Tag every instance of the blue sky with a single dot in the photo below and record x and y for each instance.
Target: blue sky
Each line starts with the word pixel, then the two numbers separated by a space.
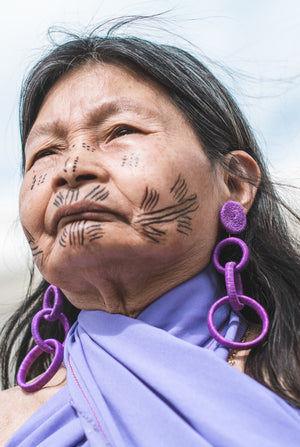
pixel 258 40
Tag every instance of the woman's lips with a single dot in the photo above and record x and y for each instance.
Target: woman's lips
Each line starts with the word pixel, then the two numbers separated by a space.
pixel 83 211
pixel 100 216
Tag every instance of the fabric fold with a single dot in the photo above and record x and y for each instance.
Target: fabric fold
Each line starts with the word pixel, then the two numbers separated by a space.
pixel 160 380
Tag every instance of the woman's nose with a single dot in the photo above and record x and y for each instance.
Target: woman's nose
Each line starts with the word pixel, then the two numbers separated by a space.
pixel 77 170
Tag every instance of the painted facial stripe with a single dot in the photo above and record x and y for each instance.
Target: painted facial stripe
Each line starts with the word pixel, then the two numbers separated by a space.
pixel 180 212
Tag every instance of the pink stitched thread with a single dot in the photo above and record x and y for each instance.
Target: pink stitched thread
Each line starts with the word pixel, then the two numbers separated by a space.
pixel 213 341
pixel 210 344
pixel 88 402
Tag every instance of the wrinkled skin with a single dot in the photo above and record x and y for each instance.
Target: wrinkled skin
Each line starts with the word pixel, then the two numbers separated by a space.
pixel 113 173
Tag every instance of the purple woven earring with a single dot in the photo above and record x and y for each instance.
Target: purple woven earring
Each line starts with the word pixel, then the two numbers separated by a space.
pixel 52 311
pixel 233 219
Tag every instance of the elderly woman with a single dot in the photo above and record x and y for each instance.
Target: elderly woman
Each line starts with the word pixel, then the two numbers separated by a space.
pixel 138 170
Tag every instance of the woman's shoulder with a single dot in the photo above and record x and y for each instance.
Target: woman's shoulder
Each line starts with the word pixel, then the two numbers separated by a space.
pixel 16 405
pixel 15 409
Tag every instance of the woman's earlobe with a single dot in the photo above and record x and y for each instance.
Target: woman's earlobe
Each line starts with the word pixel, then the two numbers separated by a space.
pixel 243 178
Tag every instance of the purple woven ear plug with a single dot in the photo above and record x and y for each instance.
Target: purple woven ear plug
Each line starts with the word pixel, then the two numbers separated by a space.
pixel 52 311
pixel 233 219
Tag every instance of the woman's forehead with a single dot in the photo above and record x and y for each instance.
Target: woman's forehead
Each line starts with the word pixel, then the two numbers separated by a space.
pixel 99 91
pixel 111 76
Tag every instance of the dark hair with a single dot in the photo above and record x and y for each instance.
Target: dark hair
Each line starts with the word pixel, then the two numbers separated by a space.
pixel 272 276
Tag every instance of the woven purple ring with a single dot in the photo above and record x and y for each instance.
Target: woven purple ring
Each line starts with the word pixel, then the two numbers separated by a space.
pixel 49 373
pixel 231 241
pixel 53 300
pixel 234 286
pixel 43 344
pixel 232 344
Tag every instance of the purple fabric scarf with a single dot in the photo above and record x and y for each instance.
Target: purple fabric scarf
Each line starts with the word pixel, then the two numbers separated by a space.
pixel 159 380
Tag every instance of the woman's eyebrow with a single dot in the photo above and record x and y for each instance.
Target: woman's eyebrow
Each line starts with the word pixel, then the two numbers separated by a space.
pixel 94 117
pixel 47 129
pixel 111 108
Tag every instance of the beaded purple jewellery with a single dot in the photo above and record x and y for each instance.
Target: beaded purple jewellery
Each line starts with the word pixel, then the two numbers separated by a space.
pixel 233 219
pixel 52 311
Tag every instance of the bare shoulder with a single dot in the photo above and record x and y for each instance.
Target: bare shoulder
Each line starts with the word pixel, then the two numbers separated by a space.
pixel 16 405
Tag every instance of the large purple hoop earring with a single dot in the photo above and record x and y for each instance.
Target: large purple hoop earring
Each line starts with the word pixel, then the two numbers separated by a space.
pixel 233 219
pixel 52 311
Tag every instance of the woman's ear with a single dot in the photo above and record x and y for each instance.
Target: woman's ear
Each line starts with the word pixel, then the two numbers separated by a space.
pixel 243 178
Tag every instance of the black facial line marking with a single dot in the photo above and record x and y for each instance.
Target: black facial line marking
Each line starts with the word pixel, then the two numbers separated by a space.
pixel 66 198
pixel 179 189
pixel 170 213
pixel 66 163
pixel 75 164
pixel 153 233
pixel 131 160
pixel 95 231
pixel 150 199
pixel 88 147
pixel 78 233
pixel 29 236
pixel 179 212
pixel 63 238
pixel 33 182
pixel 74 234
pixel 37 253
pixel 38 181
pixel 98 194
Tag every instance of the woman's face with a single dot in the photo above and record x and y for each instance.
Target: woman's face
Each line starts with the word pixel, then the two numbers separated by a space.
pixel 117 186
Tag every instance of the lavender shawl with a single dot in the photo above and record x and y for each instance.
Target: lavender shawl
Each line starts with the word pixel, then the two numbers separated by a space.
pixel 159 380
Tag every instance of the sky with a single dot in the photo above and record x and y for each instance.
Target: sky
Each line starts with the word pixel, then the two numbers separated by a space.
pixel 253 47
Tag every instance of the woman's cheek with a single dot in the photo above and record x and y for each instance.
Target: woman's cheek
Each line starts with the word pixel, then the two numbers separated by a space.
pixel 33 185
pixel 37 180
pixel 32 207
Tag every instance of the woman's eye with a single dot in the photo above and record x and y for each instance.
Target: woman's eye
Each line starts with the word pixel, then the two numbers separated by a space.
pixel 43 153
pixel 121 131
